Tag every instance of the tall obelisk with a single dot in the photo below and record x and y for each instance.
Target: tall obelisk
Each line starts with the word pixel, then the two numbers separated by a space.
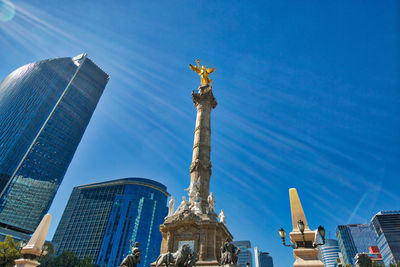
pixel 306 255
pixel 195 222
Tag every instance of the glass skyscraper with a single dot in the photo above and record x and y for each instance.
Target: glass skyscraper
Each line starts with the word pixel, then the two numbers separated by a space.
pixel 245 255
pixel 353 239
pixel 262 259
pixel 45 107
pixel 100 219
pixel 329 252
pixel 387 227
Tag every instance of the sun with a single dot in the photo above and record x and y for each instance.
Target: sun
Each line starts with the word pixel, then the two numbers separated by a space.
pixel 7 10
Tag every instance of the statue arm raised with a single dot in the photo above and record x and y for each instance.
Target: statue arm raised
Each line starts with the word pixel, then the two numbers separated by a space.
pixel 194 68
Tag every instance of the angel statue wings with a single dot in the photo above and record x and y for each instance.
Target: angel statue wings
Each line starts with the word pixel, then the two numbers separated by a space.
pixel 203 72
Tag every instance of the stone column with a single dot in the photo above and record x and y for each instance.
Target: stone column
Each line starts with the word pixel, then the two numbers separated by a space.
pixel 305 255
pixel 204 101
pixel 203 245
pixel 34 247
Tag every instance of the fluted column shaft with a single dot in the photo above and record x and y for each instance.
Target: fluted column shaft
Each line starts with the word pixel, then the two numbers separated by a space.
pixel 200 168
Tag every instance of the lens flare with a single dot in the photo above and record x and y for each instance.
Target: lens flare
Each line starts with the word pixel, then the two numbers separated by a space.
pixel 7 10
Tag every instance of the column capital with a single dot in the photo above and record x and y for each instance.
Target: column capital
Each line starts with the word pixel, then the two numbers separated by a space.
pixel 204 95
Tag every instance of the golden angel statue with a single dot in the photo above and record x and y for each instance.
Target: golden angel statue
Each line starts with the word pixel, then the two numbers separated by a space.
pixel 203 72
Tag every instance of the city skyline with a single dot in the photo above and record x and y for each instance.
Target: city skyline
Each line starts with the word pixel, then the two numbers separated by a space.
pixel 306 92
pixel 100 215
pixel 45 107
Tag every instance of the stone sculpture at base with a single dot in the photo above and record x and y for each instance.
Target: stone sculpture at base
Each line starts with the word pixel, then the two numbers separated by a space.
pixel 229 253
pixel 171 205
pixel 222 218
pixel 184 257
pixel 133 259
pixel 211 203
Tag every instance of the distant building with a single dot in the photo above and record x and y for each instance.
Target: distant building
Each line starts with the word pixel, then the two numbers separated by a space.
pixel 374 255
pixel 353 239
pixel 340 261
pixel 45 107
pixel 245 253
pixel 262 259
pixel 329 252
pixel 387 227
pixel 100 219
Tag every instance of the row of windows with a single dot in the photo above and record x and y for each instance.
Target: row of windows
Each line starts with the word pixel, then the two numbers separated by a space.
pixel 32 96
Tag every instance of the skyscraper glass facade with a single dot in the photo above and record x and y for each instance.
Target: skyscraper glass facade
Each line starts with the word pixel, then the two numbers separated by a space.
pixel 387 227
pixel 262 259
pixel 353 239
pixel 329 252
pixel 44 110
pixel 100 220
pixel 245 255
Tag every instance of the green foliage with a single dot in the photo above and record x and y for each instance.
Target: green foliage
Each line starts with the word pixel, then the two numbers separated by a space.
pixel 66 259
pixel 364 261
pixel 394 265
pixel 9 252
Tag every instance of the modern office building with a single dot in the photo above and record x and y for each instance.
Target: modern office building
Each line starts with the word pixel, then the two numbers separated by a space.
pixel 329 252
pixel 353 239
pixel 100 219
pixel 387 227
pixel 245 255
pixel 262 259
pixel 45 107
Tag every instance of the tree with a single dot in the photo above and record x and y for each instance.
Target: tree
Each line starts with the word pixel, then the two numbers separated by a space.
pixel 66 259
pixel 49 254
pixel 9 252
pixel 364 261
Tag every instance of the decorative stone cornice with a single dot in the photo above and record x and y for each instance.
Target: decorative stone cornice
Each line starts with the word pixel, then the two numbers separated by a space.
pixel 204 95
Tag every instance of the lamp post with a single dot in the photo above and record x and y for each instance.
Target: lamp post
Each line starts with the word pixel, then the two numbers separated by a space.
pixel 301 227
pixel 302 238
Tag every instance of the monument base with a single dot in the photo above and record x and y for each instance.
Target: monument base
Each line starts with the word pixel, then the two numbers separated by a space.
pixel 230 265
pixel 305 256
pixel 202 232
pixel 26 263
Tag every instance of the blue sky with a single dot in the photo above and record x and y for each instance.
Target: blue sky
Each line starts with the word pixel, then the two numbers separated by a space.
pixel 308 95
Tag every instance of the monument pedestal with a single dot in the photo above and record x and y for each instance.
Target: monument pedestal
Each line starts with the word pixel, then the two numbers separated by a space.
pixel 306 256
pixel 203 233
pixel 26 263
pixel 230 265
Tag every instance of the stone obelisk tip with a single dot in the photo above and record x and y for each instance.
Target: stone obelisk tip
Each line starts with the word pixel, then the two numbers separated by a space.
pixel 297 209
pixel 36 242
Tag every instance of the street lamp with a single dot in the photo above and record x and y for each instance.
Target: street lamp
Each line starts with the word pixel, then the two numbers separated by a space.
pixel 321 232
pixel 22 244
pixel 44 251
pixel 301 226
pixel 282 234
